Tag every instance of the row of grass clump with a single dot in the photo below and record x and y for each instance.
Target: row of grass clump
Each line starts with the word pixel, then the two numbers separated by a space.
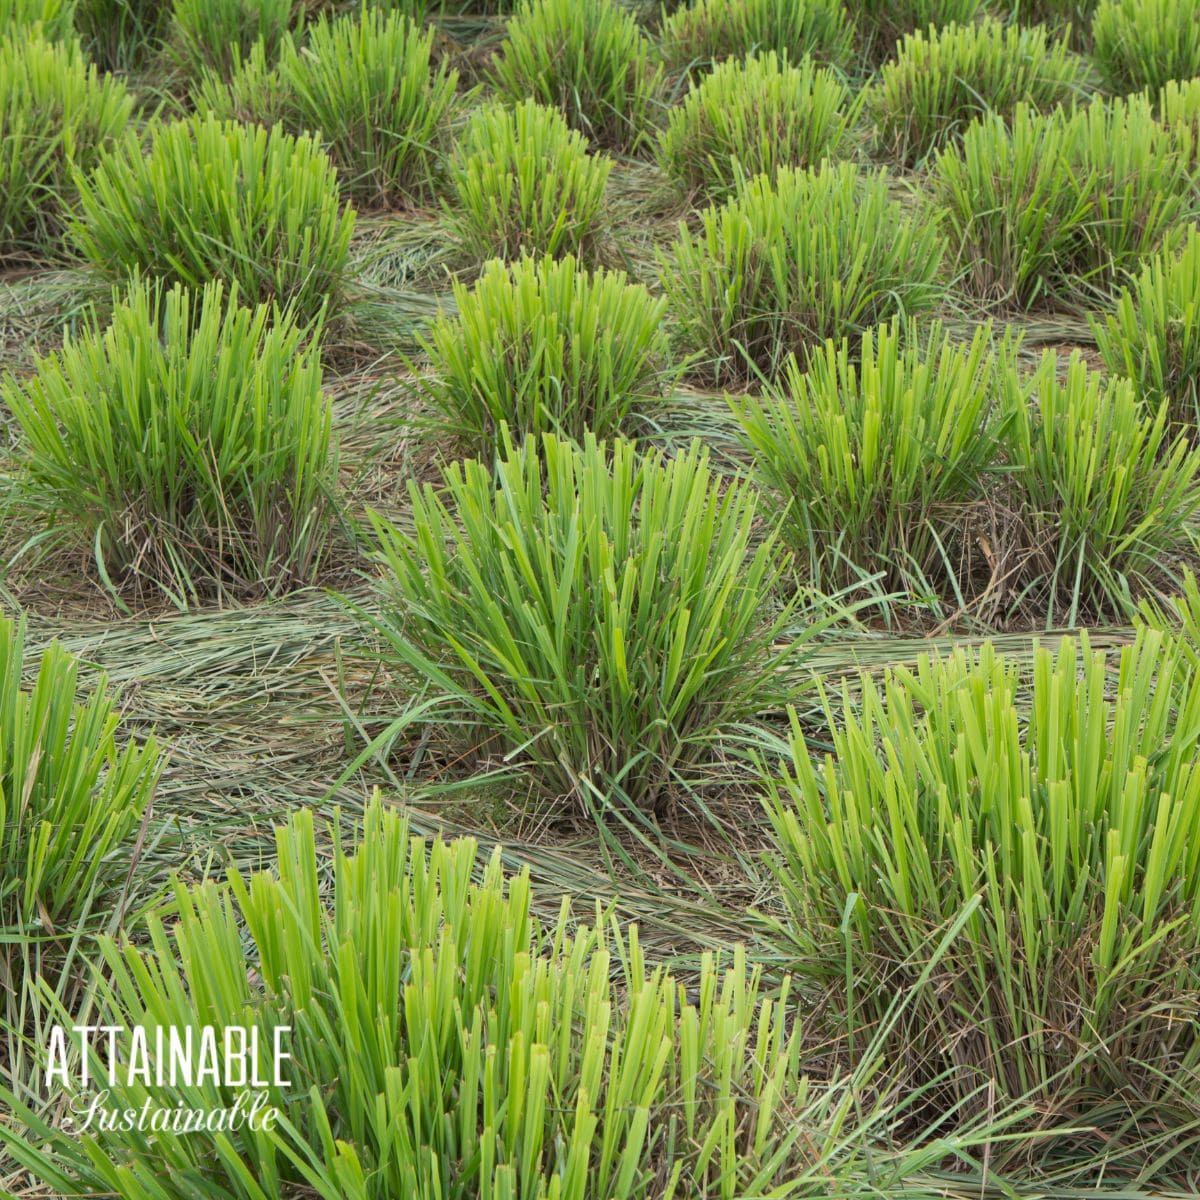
pixel 990 109
pixel 1012 855
pixel 366 82
pixel 987 893
pixel 768 290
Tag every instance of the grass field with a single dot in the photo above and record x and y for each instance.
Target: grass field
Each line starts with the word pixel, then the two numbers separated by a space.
pixel 626 574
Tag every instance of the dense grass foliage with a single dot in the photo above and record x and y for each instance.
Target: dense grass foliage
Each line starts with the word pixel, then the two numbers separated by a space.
pixel 1105 493
pixel 188 444
pixel 880 24
pixel 57 113
pixel 52 18
pixel 365 86
pixel 941 80
pixel 544 346
pixel 121 35
pixel 523 182
pixel 217 200
pixel 72 799
pixel 1145 43
pixel 464 1043
pixel 1062 814
pixel 1063 201
pixel 216 35
pixel 1178 615
pixel 880 452
pixel 1153 334
pixel 1179 105
pixel 786 264
pixel 1056 14
pixel 587 58
pixel 600 616
pixel 711 31
pixel 754 117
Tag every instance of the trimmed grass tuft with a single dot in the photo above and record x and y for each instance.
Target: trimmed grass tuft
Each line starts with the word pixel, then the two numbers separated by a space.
pixel 57 114
pixel 187 446
pixel 1141 44
pixel 755 117
pixel 364 85
pixel 601 618
pixel 212 200
pixel 524 183
pixel 788 263
pixel 881 453
pixel 939 81
pixel 711 31
pixel 587 58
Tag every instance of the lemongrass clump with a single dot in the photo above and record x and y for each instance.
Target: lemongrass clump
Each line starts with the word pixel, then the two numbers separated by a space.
pixel 754 117
pixel 218 200
pixel 1146 43
pixel 1051 203
pixel 880 453
pixel 603 616
pixel 788 263
pixel 188 446
pixel 940 80
pixel 712 31
pixel 1153 334
pixel 524 183
pixel 81 791
pixel 121 35
pixel 1105 491
pixel 57 114
pixel 216 35
pixel 1042 832
pixel 587 58
pixel 438 1030
pixel 544 346
pixel 880 24
pixel 53 19
pixel 366 87
pixel 73 797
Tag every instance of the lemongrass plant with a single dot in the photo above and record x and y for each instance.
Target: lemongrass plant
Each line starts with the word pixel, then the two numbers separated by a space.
pixel 1140 44
pixel 122 35
pixel 1105 492
pixel 604 619
pixel 524 183
pixel 711 31
pixel 587 58
pixel 754 117
pixel 1177 615
pixel 786 264
pixel 217 200
pixel 1062 812
pixel 881 454
pixel 364 85
pixel 1153 334
pixel 1179 110
pixel 53 19
pixel 880 24
pixel 1058 15
pixel 187 446
pixel 73 796
pixel 57 114
pixel 442 1041
pixel 939 80
pixel 1047 205
pixel 216 35
pixel 544 346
